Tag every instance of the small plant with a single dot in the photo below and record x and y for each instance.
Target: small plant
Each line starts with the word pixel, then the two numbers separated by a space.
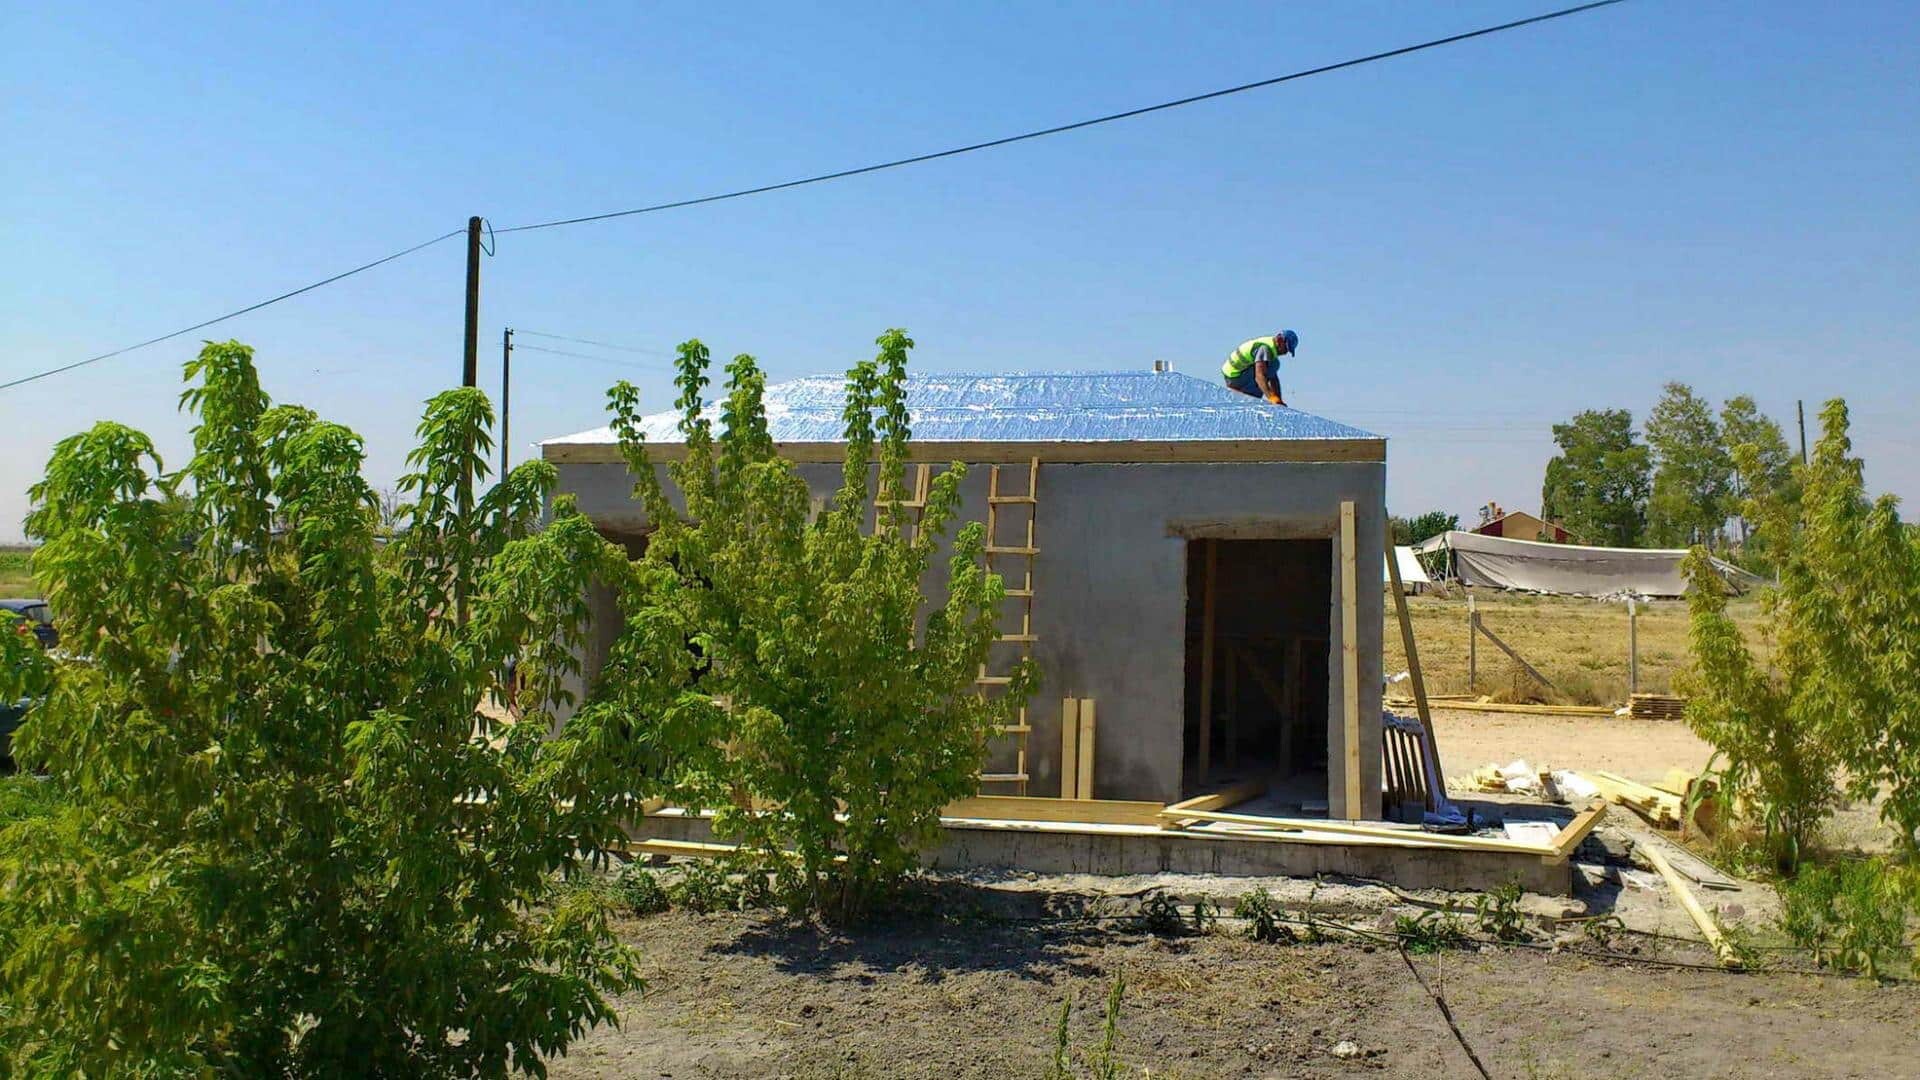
pixel 704 888
pixel 1101 1060
pixel 1498 914
pixel 1851 916
pixel 1160 915
pixel 1430 932
pixel 1205 914
pixel 1262 916
pixel 639 891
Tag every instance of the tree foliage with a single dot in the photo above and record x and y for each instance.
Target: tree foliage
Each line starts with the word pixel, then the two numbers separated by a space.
pixel 286 844
pixel 1597 485
pixel 1425 526
pixel 1763 469
pixel 1692 474
pixel 1843 696
pixel 794 679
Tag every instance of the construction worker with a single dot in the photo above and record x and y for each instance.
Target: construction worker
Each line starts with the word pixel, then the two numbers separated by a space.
pixel 1254 367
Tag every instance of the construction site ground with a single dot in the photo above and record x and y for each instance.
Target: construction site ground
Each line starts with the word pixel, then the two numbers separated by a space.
pixel 974 987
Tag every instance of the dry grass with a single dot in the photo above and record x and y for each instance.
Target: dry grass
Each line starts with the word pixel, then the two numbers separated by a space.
pixel 1579 644
pixel 15 580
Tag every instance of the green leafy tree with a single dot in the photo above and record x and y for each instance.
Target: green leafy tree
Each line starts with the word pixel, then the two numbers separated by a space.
pixel 1692 471
pixel 1597 485
pixel 287 844
pixel 1763 468
pixel 1427 525
pixel 1843 695
pixel 799 684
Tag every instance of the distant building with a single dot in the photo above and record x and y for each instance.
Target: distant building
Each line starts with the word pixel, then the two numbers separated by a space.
pixel 1520 525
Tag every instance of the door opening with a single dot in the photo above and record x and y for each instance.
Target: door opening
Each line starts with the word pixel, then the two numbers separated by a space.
pixel 1257 639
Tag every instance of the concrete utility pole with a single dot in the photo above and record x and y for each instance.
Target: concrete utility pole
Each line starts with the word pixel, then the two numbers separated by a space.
pixel 470 371
pixel 506 391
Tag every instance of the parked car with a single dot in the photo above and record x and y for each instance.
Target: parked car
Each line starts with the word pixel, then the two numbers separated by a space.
pixel 37 619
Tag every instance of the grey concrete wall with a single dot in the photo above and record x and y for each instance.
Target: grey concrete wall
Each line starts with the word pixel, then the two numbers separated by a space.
pixel 1110 604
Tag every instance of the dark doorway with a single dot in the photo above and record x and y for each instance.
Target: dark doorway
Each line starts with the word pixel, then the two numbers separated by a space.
pixel 1267 660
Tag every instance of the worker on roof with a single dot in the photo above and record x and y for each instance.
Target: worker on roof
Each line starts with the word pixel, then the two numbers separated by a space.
pixel 1254 367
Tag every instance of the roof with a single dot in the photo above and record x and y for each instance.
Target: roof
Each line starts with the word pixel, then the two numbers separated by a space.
pixel 1162 413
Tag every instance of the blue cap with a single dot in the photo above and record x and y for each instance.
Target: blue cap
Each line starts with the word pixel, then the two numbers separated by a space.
pixel 1292 339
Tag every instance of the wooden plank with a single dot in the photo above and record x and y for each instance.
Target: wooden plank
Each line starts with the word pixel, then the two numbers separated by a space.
pixel 1708 928
pixel 1355 801
pixel 1233 795
pixel 1040 808
pixel 1084 785
pixel 1069 748
pixel 1470 705
pixel 1514 656
pixel 1577 829
pixel 982 453
pixel 1378 832
pixel 1436 790
pixel 1207 593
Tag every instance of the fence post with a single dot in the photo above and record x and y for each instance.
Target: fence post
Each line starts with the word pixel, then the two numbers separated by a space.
pixel 1633 650
pixel 1473 646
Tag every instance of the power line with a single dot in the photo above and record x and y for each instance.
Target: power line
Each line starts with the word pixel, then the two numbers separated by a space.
pixel 517 346
pixel 231 314
pixel 1075 126
pixel 588 341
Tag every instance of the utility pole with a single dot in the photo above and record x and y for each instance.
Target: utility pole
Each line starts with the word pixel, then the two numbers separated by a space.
pixel 506 391
pixel 1800 407
pixel 470 372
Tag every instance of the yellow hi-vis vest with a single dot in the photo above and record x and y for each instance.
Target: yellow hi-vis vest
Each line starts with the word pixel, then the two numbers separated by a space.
pixel 1240 359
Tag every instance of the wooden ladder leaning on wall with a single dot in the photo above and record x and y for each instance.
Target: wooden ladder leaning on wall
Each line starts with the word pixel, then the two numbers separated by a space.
pixel 1015 566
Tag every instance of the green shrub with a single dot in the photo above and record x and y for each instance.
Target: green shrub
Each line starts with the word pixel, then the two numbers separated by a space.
pixel 639 890
pixel 1430 932
pixel 1263 917
pixel 786 658
pixel 1850 915
pixel 1160 915
pixel 1498 914
pixel 286 844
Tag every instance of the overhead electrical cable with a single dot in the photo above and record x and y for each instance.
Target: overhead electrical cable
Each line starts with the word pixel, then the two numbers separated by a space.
pixel 23 380
pixel 844 173
pixel 589 341
pixel 1062 128
pixel 615 361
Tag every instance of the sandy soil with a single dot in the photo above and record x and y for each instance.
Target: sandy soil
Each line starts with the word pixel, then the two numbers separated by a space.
pixel 1640 750
pixel 748 996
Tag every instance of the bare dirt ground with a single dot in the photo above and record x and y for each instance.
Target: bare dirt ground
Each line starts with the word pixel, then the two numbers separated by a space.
pixel 735 995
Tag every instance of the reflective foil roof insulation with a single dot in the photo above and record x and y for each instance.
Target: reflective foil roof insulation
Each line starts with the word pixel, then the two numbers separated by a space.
pixel 1130 406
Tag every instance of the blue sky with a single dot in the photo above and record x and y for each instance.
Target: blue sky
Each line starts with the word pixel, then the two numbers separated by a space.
pixel 1473 242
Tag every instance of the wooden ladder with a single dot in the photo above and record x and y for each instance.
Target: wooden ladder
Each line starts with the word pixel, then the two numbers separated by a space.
pixel 915 504
pixel 1018 645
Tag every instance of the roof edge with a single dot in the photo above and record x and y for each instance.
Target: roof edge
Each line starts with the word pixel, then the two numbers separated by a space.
pixel 1114 451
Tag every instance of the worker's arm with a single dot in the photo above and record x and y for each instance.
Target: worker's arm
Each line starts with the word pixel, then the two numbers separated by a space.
pixel 1265 373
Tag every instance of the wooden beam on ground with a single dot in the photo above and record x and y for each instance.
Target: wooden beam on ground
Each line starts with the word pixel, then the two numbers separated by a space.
pixel 1038 808
pixel 694 849
pixel 1583 823
pixel 1708 928
pixel 1205 757
pixel 1219 800
pixel 1470 705
pixel 1377 832
pixel 1354 800
pixel 1084 785
pixel 1514 656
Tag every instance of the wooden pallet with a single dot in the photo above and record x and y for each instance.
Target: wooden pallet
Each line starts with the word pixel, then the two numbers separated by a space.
pixel 1657 707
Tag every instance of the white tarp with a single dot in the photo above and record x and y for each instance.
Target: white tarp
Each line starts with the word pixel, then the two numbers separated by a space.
pixel 1411 572
pixel 1570 569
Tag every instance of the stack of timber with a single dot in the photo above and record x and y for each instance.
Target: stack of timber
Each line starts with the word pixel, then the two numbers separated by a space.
pixel 1656 707
pixel 1662 808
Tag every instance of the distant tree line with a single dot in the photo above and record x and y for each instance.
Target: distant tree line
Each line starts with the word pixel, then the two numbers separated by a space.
pixel 1684 484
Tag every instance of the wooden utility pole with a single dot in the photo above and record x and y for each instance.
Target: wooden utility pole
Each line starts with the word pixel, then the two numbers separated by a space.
pixel 1800 407
pixel 506 395
pixel 470 371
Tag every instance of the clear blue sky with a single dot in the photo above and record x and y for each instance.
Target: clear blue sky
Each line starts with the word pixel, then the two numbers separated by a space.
pixel 1472 242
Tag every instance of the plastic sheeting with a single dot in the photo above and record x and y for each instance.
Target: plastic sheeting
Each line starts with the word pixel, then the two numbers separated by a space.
pixel 1130 406
pixel 1569 569
pixel 1411 572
